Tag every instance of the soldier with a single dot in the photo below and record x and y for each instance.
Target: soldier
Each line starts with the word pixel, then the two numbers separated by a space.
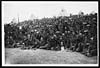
pixel 58 45
pixel 36 43
pixel 65 43
pixel 71 46
pixel 43 43
pixel 68 43
pixel 85 48
pixel 52 42
pixel 80 47
pixel 93 52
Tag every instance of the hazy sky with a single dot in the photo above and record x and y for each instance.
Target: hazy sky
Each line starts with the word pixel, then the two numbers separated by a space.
pixel 42 9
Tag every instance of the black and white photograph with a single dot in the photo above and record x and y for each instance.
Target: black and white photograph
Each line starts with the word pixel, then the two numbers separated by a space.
pixel 50 33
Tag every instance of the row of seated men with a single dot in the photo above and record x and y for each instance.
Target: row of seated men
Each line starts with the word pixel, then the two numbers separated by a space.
pixel 56 41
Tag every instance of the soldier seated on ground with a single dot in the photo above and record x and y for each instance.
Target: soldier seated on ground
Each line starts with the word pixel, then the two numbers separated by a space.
pixel 68 44
pixel 85 51
pixel 51 43
pixel 85 48
pixel 42 42
pixel 71 46
pixel 93 52
pixel 35 44
pixel 16 44
pixel 80 48
pixel 23 47
pixel 75 47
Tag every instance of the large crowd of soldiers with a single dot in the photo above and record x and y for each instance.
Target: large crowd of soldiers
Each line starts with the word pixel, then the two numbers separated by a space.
pixel 76 32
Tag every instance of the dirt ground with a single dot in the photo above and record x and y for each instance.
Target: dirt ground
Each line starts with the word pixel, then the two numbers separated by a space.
pixel 40 56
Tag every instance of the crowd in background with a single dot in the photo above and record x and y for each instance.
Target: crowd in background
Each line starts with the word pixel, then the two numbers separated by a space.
pixel 75 32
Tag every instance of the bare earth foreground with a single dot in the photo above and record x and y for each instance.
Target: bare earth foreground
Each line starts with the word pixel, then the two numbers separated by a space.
pixel 40 56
